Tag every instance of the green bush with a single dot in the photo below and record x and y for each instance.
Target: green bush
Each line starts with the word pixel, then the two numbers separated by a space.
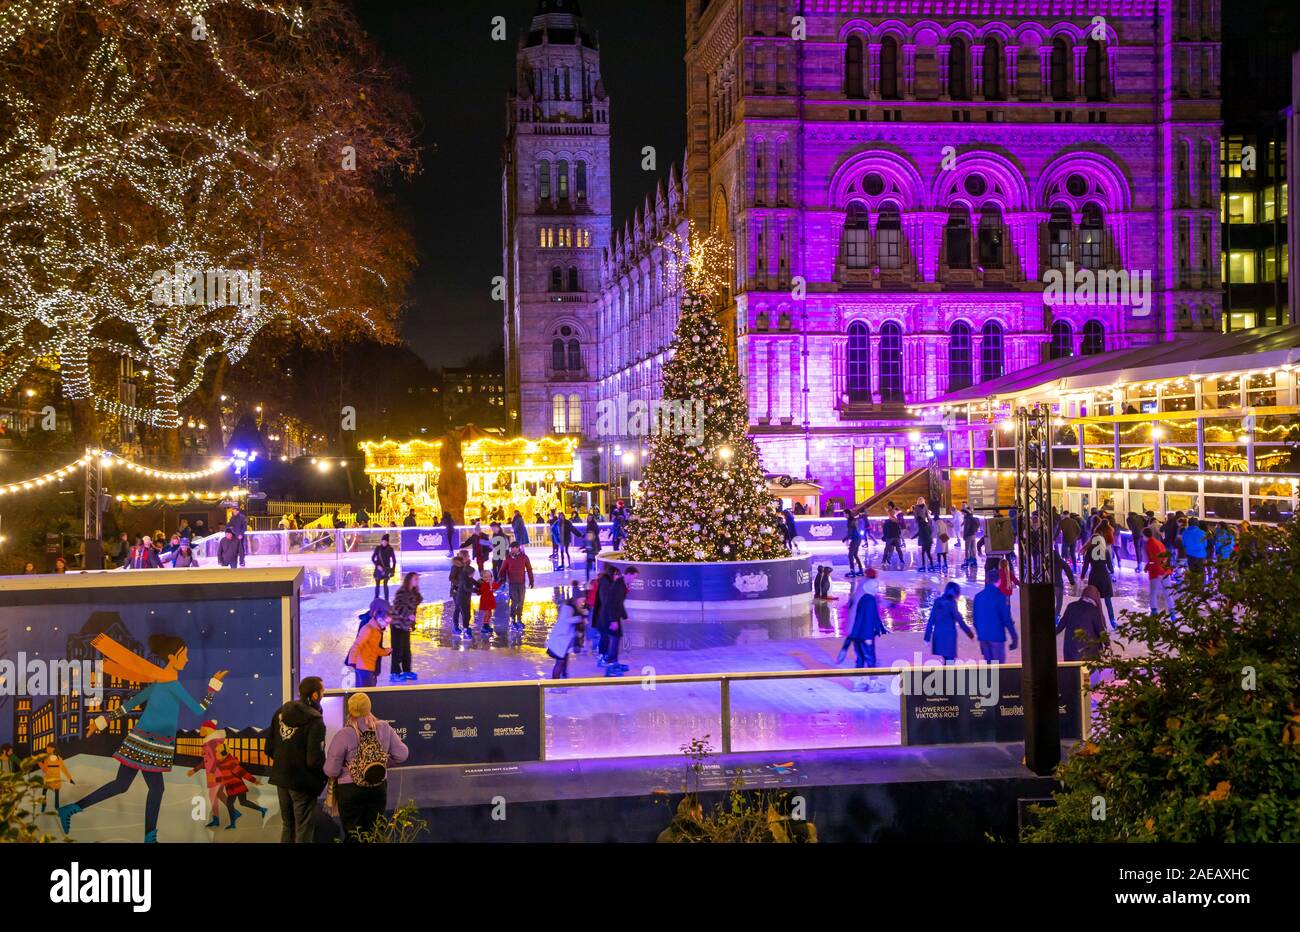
pixel 20 796
pixel 1197 739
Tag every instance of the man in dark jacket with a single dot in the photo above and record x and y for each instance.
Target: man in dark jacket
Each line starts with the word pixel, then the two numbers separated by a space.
pixel 239 527
pixel 384 559
pixel 295 743
pixel 611 596
pixel 892 534
pixel 1070 530
pixel 410 520
pixel 449 523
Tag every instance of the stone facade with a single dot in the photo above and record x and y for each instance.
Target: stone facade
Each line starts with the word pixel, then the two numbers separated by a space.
pixel 556 211
pixel 899 178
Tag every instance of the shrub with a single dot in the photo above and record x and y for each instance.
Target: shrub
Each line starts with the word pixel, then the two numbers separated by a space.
pixel 1197 739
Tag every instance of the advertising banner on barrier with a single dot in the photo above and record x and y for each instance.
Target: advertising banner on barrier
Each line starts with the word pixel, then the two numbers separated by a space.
pixel 474 725
pixel 822 530
pixel 719 582
pixel 949 705
pixel 424 540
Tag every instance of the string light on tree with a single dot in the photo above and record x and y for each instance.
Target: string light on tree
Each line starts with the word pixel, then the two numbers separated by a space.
pixel 706 500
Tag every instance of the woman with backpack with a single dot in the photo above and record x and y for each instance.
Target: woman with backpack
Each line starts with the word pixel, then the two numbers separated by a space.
pixel 357 764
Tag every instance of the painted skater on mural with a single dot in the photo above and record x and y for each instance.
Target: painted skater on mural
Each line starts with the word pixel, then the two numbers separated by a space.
pixel 150 747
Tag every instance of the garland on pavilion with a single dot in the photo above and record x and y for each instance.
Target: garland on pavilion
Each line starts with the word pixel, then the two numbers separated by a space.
pixel 704 501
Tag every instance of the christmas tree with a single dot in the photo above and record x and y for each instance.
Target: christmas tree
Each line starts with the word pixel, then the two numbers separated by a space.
pixel 703 496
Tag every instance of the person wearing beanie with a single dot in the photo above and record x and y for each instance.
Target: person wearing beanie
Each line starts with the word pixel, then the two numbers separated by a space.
pixel 207 731
pixel 357 762
pixel 295 743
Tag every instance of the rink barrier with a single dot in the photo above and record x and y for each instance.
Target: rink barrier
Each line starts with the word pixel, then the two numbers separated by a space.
pixel 493 707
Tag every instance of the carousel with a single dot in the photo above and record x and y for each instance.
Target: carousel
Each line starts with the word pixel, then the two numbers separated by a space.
pixel 502 476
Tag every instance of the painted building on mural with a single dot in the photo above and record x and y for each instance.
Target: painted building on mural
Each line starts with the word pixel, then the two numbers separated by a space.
pixel 899 178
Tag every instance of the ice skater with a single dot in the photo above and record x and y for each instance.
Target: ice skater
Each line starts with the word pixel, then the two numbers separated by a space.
pixel 866 627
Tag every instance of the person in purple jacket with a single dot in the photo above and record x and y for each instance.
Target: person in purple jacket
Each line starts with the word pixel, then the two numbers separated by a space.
pixel 358 760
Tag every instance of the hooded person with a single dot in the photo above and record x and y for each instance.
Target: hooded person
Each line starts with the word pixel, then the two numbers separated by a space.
pixel 1084 627
pixel 945 618
pixel 866 627
pixel 295 743
pixel 993 622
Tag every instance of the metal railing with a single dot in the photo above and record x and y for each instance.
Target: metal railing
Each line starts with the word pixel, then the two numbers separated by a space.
pixel 725 681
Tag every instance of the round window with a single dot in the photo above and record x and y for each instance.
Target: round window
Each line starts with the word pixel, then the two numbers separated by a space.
pixel 1077 185
pixel 873 185
pixel 976 185
pixel 566 331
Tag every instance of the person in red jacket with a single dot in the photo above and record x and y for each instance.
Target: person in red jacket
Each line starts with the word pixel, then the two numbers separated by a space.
pixel 517 570
pixel 1158 570
pixel 487 601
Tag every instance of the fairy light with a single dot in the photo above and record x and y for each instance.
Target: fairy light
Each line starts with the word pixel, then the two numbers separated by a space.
pixel 108 460
pixel 84 291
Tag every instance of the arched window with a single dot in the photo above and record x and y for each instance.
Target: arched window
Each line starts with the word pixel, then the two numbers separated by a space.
pixel 562 179
pixel 1058 236
pixel 891 362
pixel 991 354
pixel 557 354
pixel 959 359
pixel 1062 346
pixel 857 236
pixel 1060 64
pixel 991 237
pixel 1091 229
pixel 559 421
pixel 1094 339
pixel 993 70
pixel 575 356
pixel 544 180
pixel 889 237
pixel 956 238
pixel 858 362
pixel 889 68
pixel 580 175
pixel 575 414
pixel 557 278
pixel 1093 86
pixel 853 67
pixel 958 68
pixel 574 284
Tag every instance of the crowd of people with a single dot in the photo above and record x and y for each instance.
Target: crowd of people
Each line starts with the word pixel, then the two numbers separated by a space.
pixel 492 566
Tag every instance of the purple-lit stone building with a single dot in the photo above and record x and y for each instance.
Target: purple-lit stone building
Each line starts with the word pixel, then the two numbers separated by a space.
pixel 897 178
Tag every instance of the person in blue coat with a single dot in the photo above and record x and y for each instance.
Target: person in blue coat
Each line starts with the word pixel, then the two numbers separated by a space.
pixel 993 622
pixel 520 529
pixel 941 629
pixel 866 627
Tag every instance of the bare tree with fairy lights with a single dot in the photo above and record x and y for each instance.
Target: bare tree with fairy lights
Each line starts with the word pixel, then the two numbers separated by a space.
pixel 703 497
pixel 180 178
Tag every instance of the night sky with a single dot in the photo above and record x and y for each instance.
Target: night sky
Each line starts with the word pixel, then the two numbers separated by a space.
pixel 460 77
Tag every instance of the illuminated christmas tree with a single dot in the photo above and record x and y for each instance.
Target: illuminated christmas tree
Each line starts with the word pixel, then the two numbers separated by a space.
pixel 703 496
